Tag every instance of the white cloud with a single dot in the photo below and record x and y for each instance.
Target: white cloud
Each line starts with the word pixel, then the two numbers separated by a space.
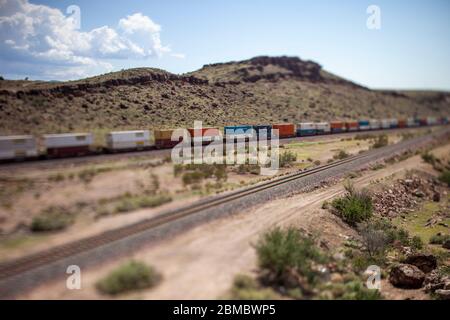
pixel 42 40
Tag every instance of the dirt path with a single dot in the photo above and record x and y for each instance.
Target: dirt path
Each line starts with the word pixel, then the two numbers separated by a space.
pixel 201 263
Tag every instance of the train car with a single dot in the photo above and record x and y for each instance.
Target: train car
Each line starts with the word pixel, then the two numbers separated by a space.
pixel 68 144
pixel 337 126
pixel 385 124
pixel 412 122
pixel 402 123
pixel 393 123
pixel 323 128
pixel 238 132
pixel 204 135
pixel 422 122
pixel 445 120
pixel 375 124
pixel 263 131
pixel 163 139
pixel 285 130
pixel 306 129
pixel 352 126
pixel 431 121
pixel 128 140
pixel 364 125
pixel 18 147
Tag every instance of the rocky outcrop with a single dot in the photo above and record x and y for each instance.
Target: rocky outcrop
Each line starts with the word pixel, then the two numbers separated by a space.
pixel 425 262
pixel 406 276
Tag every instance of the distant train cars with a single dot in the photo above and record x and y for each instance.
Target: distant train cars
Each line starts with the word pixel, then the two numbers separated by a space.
pixel 68 144
pixel 18 147
pixel 128 140
pixel 78 144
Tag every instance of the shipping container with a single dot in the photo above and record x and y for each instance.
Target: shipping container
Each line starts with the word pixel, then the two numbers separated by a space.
pixel 364 125
pixel 412 122
pixel 323 128
pixel 352 126
pixel 285 130
pixel 423 121
pixel 241 132
pixel 306 129
pixel 204 135
pixel 385 124
pixel 163 138
pixel 17 147
pixel 402 123
pixel 337 126
pixel 68 144
pixel 393 123
pixel 375 124
pixel 263 131
pixel 124 140
pixel 431 121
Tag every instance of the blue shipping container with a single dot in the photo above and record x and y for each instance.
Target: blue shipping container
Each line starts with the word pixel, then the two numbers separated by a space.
pixel 307 132
pixel 238 130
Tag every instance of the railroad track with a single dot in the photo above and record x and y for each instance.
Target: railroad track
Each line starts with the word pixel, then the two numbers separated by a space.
pixel 20 266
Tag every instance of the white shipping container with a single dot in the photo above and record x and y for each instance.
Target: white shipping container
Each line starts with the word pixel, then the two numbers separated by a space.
pixel 128 139
pixel 68 140
pixel 385 123
pixel 411 122
pixel 12 147
pixel 431 121
pixel 307 126
pixel 323 127
pixel 393 122
pixel 375 124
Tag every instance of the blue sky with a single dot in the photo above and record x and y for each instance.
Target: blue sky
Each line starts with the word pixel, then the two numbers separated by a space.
pixel 411 50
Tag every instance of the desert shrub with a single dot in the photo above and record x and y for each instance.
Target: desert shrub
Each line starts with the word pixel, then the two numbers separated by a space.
pixel 439 238
pixel 192 178
pixel 132 203
pixel 341 154
pixel 429 158
pixel 355 206
pixel 130 276
pixel 287 158
pixel 352 290
pixel 282 251
pixel 52 219
pixel 416 243
pixel 249 168
pixel 380 141
pixel 445 177
pixel 247 288
pixel 378 166
pixel 317 163
pixel 374 239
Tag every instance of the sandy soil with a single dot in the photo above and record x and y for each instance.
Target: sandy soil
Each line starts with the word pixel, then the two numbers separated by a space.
pixel 201 263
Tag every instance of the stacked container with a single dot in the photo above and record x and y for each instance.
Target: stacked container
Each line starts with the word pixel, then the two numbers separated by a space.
pixel 68 144
pixel 238 132
pixel 375 124
pixel 393 123
pixel 127 140
pixel 352 125
pixel 364 125
pixel 431 121
pixel 285 130
pixel 263 131
pixel 323 128
pixel 402 123
pixel 306 129
pixel 385 124
pixel 337 126
pixel 163 138
pixel 204 135
pixel 17 147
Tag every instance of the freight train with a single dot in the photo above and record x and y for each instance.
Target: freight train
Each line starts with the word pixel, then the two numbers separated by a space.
pixel 79 144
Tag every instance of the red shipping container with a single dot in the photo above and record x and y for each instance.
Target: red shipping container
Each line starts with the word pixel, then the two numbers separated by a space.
pixel 337 125
pixel 285 130
pixel 402 123
pixel 352 125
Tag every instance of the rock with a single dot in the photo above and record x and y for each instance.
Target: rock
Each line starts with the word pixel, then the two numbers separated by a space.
pixel 425 262
pixel 406 276
pixel 419 194
pixel 436 197
pixel 446 244
pixel 443 294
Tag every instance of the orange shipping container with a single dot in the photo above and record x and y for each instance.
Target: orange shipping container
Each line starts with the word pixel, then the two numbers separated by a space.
pixel 352 124
pixel 401 123
pixel 285 130
pixel 337 125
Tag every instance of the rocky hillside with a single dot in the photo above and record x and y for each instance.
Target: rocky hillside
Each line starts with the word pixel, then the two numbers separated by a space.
pixel 259 90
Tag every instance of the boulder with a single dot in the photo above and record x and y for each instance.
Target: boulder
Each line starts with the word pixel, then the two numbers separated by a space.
pixel 425 262
pixel 406 276
pixel 446 244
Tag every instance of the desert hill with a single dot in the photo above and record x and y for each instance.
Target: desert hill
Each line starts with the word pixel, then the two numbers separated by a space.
pixel 258 90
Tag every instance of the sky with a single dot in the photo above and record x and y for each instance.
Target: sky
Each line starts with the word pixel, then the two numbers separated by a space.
pixel 405 45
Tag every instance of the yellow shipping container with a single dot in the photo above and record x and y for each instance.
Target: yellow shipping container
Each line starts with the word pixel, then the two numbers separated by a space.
pixel 163 134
